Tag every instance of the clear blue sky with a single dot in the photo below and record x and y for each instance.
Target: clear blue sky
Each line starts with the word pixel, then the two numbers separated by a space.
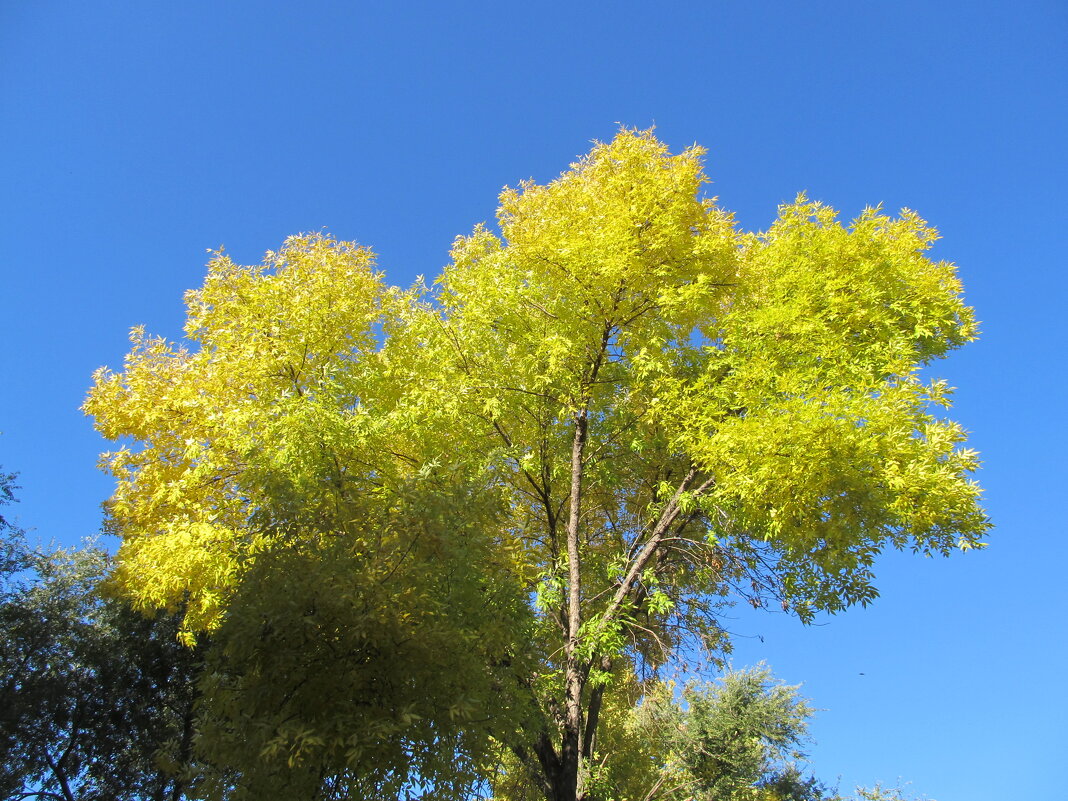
pixel 138 135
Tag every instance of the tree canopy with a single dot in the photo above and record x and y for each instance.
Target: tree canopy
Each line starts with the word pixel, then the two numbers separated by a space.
pixel 495 504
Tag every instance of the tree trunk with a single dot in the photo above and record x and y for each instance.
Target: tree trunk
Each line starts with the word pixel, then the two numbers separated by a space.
pixel 567 786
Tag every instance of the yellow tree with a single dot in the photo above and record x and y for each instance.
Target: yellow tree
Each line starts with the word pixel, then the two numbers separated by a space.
pixel 598 425
pixel 279 491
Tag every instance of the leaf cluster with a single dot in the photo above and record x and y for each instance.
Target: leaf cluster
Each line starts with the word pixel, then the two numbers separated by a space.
pixel 282 494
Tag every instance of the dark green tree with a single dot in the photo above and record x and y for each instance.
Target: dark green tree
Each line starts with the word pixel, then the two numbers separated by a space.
pixel 96 701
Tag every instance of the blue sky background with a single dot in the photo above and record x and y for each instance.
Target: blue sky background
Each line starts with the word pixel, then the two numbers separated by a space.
pixel 136 136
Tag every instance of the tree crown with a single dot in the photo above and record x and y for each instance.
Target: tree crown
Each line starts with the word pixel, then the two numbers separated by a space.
pixel 554 464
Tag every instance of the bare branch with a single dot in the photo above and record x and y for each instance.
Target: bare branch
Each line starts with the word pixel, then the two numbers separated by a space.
pixel 667 517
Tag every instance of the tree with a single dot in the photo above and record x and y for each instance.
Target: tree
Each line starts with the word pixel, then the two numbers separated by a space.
pixel 96 701
pixel 739 740
pixel 594 429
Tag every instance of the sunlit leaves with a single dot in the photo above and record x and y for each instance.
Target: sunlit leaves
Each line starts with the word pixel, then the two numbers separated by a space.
pixel 281 489
pixel 334 468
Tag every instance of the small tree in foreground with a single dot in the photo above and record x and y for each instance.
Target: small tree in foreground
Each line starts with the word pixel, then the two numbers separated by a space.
pixel 742 738
pixel 738 740
pixel 426 526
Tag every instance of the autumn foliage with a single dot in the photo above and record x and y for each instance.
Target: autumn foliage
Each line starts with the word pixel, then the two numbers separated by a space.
pixel 444 533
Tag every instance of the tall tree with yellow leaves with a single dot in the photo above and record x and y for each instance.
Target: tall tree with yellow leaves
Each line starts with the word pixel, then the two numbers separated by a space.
pixel 482 508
